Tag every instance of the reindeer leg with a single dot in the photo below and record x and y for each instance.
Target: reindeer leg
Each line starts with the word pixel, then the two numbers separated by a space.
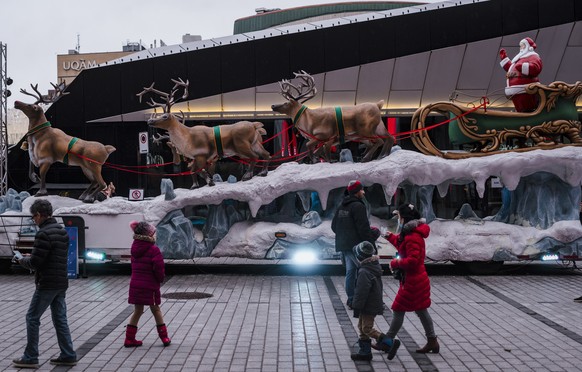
pixel 208 172
pixel 97 183
pixel 43 169
pixel 371 148
pixel 212 171
pixel 327 150
pixel 199 163
pixel 92 191
pixel 387 148
pixel 208 177
pixel 194 170
pixel 91 185
pixel 84 193
pixel 265 169
pixel 31 175
pixel 263 155
pixel 313 152
pixel 249 173
pixel 195 184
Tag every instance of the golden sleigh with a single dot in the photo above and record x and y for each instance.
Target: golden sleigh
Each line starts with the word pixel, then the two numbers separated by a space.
pixel 555 123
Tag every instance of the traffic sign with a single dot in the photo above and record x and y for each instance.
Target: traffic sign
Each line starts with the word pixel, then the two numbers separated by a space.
pixel 143 143
pixel 135 194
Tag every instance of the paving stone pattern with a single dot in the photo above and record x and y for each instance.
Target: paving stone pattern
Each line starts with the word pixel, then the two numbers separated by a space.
pixel 295 323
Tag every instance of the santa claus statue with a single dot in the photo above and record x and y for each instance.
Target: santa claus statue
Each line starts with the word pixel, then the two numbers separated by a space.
pixel 522 70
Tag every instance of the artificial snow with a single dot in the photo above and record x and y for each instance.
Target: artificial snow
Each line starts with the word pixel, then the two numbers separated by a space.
pixel 462 240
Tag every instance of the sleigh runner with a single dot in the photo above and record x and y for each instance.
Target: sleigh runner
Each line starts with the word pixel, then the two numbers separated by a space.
pixel 489 130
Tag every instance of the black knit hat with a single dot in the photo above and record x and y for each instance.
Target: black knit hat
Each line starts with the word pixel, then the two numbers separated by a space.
pixel 364 250
pixel 408 212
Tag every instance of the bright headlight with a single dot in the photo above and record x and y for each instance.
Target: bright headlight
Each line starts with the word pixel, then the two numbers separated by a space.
pixel 94 255
pixel 550 257
pixel 304 257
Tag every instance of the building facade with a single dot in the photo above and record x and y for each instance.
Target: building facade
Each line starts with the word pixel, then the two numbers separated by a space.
pixel 70 65
pixel 407 57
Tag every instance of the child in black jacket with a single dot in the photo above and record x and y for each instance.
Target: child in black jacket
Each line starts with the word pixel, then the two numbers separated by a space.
pixel 367 303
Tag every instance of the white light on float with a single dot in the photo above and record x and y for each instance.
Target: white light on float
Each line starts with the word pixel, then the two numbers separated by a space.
pixel 550 257
pixel 304 257
pixel 94 255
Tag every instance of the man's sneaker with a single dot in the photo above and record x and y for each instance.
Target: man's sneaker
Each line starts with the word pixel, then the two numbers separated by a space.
pixel 64 362
pixel 579 299
pixel 21 363
pixel 349 304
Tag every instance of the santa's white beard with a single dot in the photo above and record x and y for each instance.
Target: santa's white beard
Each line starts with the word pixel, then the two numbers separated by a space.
pixel 523 54
pixel 519 55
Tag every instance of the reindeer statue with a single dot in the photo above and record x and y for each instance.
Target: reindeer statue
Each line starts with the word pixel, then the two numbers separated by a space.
pixel 47 145
pixel 204 144
pixel 328 126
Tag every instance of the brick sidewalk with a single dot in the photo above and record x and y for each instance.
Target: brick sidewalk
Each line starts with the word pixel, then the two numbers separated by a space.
pixel 295 323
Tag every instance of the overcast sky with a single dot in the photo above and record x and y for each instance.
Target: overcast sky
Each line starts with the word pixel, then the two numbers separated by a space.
pixel 36 31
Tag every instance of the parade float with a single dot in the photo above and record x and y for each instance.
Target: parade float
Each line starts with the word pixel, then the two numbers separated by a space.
pixel 490 131
pixel 289 210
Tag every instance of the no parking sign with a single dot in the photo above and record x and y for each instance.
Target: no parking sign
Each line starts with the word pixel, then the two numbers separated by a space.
pixel 135 194
pixel 143 143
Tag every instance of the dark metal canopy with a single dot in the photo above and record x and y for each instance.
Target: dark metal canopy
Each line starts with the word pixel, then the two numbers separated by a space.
pixel 407 57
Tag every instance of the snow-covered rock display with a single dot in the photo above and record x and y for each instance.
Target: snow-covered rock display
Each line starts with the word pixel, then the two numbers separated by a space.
pixel 542 214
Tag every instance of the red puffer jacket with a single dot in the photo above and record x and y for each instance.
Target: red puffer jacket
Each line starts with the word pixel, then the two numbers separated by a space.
pixel 147 273
pixel 414 292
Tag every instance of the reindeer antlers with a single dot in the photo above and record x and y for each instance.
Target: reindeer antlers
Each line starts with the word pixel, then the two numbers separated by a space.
pixel 168 98
pixel 58 92
pixel 157 140
pixel 305 91
pixel 38 94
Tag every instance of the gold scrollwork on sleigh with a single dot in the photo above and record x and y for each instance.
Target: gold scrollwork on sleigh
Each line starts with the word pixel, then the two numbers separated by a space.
pixel 553 124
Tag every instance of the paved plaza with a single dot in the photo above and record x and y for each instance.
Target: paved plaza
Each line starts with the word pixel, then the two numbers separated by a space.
pixel 300 323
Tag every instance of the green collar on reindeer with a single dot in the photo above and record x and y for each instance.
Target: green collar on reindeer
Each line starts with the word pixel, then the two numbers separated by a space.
pixel 218 141
pixel 71 143
pixel 299 113
pixel 340 125
pixel 38 128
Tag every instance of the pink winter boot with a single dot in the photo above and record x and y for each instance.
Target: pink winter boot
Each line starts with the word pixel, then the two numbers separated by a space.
pixel 163 333
pixel 130 341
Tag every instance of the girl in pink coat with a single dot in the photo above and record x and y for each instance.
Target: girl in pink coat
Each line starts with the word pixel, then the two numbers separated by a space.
pixel 147 274
pixel 414 291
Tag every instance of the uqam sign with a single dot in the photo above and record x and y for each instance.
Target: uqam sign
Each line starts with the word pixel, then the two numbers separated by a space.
pixel 79 65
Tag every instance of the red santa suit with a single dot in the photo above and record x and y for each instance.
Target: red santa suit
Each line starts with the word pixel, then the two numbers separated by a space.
pixel 522 70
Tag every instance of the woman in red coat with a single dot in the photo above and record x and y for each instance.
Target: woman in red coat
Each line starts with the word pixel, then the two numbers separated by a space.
pixel 147 274
pixel 414 291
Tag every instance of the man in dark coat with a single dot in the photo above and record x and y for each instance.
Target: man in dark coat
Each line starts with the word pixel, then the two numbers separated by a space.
pixel 351 227
pixel 49 262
